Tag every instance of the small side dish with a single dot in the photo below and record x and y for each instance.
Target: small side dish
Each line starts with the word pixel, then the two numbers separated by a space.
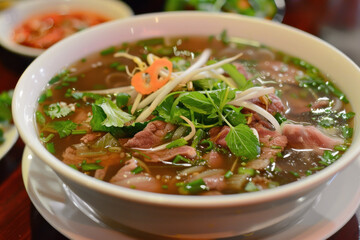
pixel 30 27
pixel 44 30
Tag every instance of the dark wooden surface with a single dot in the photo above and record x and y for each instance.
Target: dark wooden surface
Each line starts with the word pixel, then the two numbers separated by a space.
pixel 18 217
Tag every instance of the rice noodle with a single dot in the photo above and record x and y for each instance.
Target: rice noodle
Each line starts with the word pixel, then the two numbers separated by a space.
pixel 142 65
pixel 261 111
pixel 253 92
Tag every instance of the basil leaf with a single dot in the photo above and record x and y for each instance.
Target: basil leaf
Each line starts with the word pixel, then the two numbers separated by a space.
pixel 197 102
pixel 242 142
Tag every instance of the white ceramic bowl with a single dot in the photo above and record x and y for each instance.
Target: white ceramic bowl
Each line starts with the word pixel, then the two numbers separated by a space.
pixel 188 216
pixel 22 10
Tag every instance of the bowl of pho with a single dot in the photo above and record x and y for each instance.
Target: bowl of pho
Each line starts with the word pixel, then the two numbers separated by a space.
pixel 192 124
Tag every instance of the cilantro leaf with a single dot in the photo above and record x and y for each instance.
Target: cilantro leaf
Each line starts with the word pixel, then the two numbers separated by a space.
pixel 242 142
pixel 64 128
pixel 114 115
pixel 57 110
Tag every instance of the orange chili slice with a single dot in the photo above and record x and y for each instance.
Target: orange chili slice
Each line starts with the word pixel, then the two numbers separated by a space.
pixel 149 80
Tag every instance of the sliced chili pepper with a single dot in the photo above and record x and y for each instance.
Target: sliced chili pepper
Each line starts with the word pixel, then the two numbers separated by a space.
pixel 149 80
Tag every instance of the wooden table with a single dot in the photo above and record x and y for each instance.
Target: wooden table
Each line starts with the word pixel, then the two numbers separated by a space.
pixel 18 217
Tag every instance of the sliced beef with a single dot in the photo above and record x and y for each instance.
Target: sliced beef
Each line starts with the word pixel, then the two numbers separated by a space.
pixel 273 143
pixel 218 134
pixel 151 136
pixel 273 106
pixel 309 137
pixel 71 157
pixel 214 159
pixel 215 182
pixel 242 70
pixel 90 137
pixel 169 154
pixel 140 181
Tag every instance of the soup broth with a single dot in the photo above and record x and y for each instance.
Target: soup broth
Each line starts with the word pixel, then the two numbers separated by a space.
pixel 194 115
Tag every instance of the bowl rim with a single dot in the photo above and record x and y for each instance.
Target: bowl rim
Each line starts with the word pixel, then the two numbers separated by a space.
pixel 27 8
pixel 143 197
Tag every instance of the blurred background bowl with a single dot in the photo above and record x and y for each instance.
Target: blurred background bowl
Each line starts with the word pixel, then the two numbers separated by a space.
pixel 20 11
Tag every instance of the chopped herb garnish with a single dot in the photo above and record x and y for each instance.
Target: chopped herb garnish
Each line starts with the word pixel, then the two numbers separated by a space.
pixel 193 187
pixel 50 147
pixel 137 170
pixel 107 51
pixel 179 158
pixel 248 171
pixel 228 174
pixel 295 174
pixel 90 166
pixel 64 128
pixel 251 187
pixel 176 143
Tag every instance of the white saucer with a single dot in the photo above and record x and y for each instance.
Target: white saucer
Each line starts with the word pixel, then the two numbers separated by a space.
pixel 11 135
pixel 333 208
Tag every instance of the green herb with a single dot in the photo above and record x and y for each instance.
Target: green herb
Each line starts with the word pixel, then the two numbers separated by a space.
pixel 197 137
pixel 247 171
pixel 194 187
pixel 2 139
pixel 40 118
pixel 114 115
pixel 295 174
pixel 176 143
pixel 50 147
pixel 280 118
pixel 342 148
pixel 196 102
pixel 179 158
pixel 78 132
pixel 122 99
pixel 57 110
pixel 151 42
pixel 137 170
pixel 107 51
pixel 209 143
pixel 90 166
pixel 329 157
pixel 347 131
pixel 64 128
pixel 242 142
pixel 238 77
pixel 48 138
pixel 251 187
pixel 228 174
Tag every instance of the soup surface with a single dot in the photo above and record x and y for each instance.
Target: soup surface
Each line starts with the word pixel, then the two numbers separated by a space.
pixel 194 115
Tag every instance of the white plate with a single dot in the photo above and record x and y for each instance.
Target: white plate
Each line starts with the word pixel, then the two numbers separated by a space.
pixel 48 194
pixel 11 135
